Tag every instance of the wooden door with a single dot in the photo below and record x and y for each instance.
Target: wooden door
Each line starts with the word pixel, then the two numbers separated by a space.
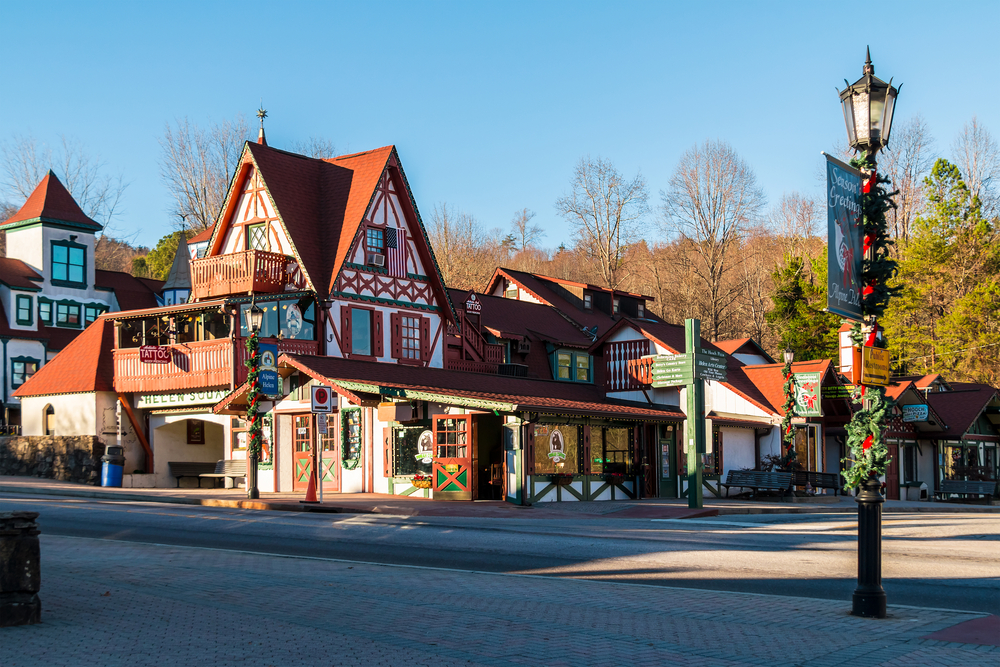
pixel 892 473
pixel 454 469
pixel 668 460
pixel 302 439
pixel 330 451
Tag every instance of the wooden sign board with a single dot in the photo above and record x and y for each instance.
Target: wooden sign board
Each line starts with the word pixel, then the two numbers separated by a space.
pixel 874 367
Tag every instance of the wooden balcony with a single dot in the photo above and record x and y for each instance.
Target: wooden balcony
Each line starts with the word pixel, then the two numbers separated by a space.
pixel 194 365
pixel 238 273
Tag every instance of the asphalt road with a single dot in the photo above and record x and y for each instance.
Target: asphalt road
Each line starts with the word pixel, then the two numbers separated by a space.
pixel 948 561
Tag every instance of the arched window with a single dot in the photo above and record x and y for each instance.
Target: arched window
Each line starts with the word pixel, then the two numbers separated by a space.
pixel 49 420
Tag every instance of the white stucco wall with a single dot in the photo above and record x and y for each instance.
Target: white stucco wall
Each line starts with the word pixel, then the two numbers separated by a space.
pixel 168 435
pixel 737 449
pixel 334 335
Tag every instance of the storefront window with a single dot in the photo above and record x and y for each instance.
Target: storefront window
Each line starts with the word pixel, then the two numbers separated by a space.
pixel 412 450
pixel 807 448
pixel 557 449
pixel 963 462
pixel 452 438
pixel 611 451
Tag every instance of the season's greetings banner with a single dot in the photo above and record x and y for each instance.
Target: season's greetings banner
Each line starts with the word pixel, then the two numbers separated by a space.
pixel 843 210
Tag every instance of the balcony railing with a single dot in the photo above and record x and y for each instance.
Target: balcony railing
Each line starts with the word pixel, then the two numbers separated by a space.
pixel 194 365
pixel 238 273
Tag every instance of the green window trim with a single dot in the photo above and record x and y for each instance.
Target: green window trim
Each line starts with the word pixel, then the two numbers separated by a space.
pixel 21 370
pixel 45 311
pixel 91 311
pixel 64 311
pixel 24 311
pixel 569 366
pixel 68 262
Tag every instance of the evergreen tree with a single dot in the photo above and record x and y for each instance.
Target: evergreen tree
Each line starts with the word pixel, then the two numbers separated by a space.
pixel 798 316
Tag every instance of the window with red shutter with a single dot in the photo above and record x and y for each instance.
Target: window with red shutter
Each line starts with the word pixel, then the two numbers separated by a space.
pixel 378 338
pixel 395 335
pixel 425 338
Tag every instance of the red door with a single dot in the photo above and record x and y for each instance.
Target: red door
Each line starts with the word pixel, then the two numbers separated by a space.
pixel 892 473
pixel 330 452
pixel 302 439
pixel 454 469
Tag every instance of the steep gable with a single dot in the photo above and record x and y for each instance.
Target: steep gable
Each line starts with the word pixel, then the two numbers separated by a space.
pixel 51 202
pixel 84 365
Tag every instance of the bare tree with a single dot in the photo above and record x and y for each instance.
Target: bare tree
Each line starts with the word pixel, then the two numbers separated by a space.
pixel 606 211
pixel 795 220
pixel 978 158
pixel 466 253
pixel 524 233
pixel 317 147
pixel 907 161
pixel 713 197
pixel 25 162
pixel 197 164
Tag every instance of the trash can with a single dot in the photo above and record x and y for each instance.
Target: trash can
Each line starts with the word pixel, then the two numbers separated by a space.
pixel 112 465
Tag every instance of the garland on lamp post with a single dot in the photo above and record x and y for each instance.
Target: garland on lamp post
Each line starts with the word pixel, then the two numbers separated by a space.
pixel 253 418
pixel 869 455
pixel 787 436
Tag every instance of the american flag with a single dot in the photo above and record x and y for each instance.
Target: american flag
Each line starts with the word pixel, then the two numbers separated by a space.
pixel 395 248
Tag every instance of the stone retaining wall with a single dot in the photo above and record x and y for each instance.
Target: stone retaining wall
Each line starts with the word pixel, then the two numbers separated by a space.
pixel 69 458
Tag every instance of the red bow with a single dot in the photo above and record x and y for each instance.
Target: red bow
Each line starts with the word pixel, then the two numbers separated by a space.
pixel 867 187
pixel 867 443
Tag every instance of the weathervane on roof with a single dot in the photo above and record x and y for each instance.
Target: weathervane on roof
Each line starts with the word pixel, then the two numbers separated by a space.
pixel 262 114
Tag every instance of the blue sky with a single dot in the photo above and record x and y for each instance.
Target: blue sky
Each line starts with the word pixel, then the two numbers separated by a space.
pixel 490 104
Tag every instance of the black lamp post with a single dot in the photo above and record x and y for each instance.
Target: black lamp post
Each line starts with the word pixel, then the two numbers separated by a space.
pixel 868 106
pixel 788 355
pixel 254 316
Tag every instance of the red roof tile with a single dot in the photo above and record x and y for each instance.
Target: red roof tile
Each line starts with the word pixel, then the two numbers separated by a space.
pixel 545 289
pixel 84 365
pixel 201 237
pixel 525 319
pixel 743 346
pixel 16 274
pixel 530 395
pixel 51 201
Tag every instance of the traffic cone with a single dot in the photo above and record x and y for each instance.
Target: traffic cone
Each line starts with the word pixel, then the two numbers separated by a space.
pixel 311 491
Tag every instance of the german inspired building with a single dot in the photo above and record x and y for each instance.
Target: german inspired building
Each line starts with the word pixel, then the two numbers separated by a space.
pixel 534 390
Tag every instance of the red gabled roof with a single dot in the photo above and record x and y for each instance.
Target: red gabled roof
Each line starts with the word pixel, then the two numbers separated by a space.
pixel 51 201
pixel 132 293
pixel 524 319
pixel 961 407
pixel 770 381
pixel 84 365
pixel 530 395
pixel 202 236
pixel 744 346
pixel 16 274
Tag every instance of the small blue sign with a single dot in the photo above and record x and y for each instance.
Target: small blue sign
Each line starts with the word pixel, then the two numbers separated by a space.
pixel 270 384
pixel 915 413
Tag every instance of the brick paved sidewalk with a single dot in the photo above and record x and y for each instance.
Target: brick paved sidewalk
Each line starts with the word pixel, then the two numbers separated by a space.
pixel 119 603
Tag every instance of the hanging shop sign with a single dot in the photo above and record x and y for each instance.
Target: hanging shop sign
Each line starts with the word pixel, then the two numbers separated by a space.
pixel 807 395
pixel 473 305
pixel 270 383
pixel 154 354
pixel 844 250
pixel 915 413
pixel 180 400
pixel 557 446
pixel 875 366
pixel 425 447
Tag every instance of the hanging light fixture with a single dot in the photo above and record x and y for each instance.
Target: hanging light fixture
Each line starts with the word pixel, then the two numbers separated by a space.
pixel 254 317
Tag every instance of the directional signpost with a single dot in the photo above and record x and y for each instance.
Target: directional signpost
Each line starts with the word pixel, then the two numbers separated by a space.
pixel 690 370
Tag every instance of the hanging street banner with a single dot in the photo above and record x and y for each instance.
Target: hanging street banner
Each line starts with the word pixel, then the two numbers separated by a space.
pixel 268 377
pixel 807 395
pixel 844 234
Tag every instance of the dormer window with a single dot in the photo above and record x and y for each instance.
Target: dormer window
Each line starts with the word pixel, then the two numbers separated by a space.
pixel 640 310
pixel 588 301
pixel 511 291
pixel 615 306
pixel 69 264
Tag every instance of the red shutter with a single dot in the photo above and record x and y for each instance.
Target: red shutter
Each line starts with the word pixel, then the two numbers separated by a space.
pixel 425 338
pixel 378 344
pixel 345 330
pixel 529 449
pixel 396 334
pixel 387 457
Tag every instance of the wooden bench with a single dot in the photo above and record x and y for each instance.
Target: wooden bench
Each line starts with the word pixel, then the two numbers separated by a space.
pixel 960 487
pixel 189 469
pixel 817 480
pixel 758 479
pixel 228 468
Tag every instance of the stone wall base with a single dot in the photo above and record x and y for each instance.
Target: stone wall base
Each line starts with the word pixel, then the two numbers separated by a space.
pixel 68 458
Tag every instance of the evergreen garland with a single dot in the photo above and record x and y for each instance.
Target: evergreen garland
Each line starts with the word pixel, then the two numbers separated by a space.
pixel 350 452
pixel 253 419
pixel 869 455
pixel 789 406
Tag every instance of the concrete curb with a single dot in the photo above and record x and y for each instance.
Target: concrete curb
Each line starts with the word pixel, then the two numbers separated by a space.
pixel 180 500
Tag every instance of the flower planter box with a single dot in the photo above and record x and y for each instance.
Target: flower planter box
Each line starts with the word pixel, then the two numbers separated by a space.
pixel 422 483
pixel 561 480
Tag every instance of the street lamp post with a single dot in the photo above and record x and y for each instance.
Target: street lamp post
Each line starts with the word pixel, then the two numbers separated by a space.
pixel 254 316
pixel 868 106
